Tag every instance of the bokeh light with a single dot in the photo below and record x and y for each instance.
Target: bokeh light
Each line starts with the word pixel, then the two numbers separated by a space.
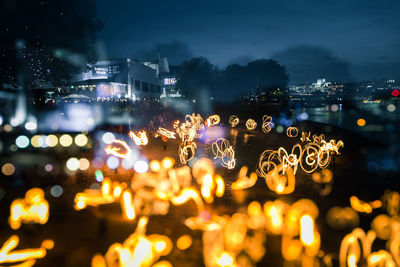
pixel 108 138
pixel 51 140
pixel 8 169
pixel 99 176
pixel 84 164
pixel 141 166
pixel 56 191
pixel 66 140
pixel 73 164
pixel 391 107
pixel 112 162
pixel 395 92
pixel 22 141
pixel 361 122
pixel 81 140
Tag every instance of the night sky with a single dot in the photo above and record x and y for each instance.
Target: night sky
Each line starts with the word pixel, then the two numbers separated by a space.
pixel 340 40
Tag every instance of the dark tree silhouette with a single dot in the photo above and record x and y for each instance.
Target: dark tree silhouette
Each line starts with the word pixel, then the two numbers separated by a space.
pixel 197 77
pixel 260 75
pixel 45 40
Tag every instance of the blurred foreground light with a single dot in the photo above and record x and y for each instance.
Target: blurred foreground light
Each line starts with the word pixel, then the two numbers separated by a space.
pixel 1 120
pixel 66 140
pixel 361 122
pixel 31 126
pixel 127 163
pixel 8 128
pixel 22 141
pixel 56 191
pixel 184 242
pixel 108 138
pixel 73 164
pixel 302 116
pixel 112 162
pixel 51 140
pixel 97 163
pixel 279 129
pixel 334 107
pixel 36 141
pixel 99 176
pixel 84 164
pixel 81 140
pixel 8 169
pixel 141 166
pixel 395 92
pixel 391 107
pixel 48 167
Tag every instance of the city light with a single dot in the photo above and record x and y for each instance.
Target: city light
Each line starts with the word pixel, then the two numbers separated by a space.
pixel 22 141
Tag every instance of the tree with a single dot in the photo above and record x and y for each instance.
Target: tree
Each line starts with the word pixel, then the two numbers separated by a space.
pixel 263 75
pixel 45 40
pixel 198 76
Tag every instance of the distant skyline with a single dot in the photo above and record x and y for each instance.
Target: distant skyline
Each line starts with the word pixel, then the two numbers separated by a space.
pixel 342 40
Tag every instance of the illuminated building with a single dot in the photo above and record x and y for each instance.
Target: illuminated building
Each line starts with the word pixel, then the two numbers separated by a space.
pixel 124 78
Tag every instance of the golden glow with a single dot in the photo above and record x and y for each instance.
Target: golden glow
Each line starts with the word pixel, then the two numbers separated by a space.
pixel 267 124
pixel 184 242
pixel 224 151
pixel 81 140
pixel 212 120
pixel 292 132
pixel 27 256
pixel 66 140
pixel 244 181
pixel 140 138
pixel 127 207
pixel 225 260
pixel 233 120
pixel 307 230
pixel 362 206
pixel 8 169
pixel 119 148
pixel 34 208
pixel 361 122
pixel 166 133
pixel 52 140
pixel 251 124
pixel 167 163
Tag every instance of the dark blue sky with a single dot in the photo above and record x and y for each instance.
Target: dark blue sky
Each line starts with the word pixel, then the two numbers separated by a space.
pixel 360 37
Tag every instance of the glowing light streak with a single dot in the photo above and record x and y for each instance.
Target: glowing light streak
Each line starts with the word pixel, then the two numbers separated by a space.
pixel 243 180
pixel 140 138
pixel 137 250
pixel 292 132
pixel 224 151
pixel 233 121
pixel 362 206
pixel 305 137
pixel 115 149
pixel 34 208
pixel 27 256
pixel 251 124
pixel 167 133
pixel 212 120
pixel 266 124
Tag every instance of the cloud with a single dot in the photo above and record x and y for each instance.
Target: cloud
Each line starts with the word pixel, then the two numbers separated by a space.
pixel 307 63
pixel 175 51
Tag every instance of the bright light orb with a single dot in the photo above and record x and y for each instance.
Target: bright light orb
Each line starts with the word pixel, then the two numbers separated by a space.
pixel 141 166
pixel 56 191
pixel 84 164
pixel 108 138
pixel 8 169
pixel 66 140
pixel 22 141
pixel 73 164
pixel 113 162
pixel 361 122
pixel 81 140
pixel 51 140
